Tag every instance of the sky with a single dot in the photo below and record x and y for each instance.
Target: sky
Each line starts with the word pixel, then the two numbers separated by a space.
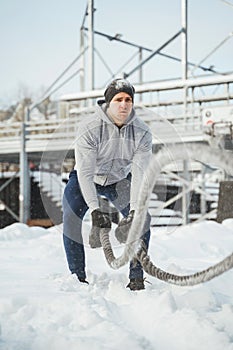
pixel 42 306
pixel 40 38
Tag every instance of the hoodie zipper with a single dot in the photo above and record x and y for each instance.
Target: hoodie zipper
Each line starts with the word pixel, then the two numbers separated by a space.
pixel 121 135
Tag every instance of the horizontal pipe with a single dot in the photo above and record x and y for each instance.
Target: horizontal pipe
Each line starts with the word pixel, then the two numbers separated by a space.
pixel 157 86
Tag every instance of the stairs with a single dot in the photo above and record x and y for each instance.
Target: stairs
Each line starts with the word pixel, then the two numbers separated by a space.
pixel 51 192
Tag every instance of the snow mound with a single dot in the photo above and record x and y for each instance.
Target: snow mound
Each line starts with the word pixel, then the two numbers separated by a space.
pixel 42 306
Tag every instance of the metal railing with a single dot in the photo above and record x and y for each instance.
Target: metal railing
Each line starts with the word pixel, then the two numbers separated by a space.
pixel 58 134
pixel 164 100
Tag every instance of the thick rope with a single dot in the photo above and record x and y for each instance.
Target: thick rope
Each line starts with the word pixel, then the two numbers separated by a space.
pixel 185 280
pixel 151 269
pixel 134 248
pixel 107 248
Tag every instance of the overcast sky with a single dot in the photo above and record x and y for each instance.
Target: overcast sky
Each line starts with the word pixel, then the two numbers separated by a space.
pixel 40 38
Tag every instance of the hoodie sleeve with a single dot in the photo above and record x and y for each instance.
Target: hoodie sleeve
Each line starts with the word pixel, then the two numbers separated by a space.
pixel 139 164
pixel 85 157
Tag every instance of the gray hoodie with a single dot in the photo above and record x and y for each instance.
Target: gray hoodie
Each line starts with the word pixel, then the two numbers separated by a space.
pixel 106 154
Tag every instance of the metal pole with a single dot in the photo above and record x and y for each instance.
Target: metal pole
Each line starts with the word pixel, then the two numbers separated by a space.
pixel 203 198
pixel 82 62
pixel 184 38
pixel 24 185
pixel 184 55
pixel 186 197
pixel 91 46
pixel 140 71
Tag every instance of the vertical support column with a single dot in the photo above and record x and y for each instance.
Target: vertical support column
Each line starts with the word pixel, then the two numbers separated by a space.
pixel 184 60
pixel 82 62
pixel 82 65
pixel 184 39
pixel 203 198
pixel 91 46
pixel 140 71
pixel 184 54
pixel 186 196
pixel 24 183
pixel 225 201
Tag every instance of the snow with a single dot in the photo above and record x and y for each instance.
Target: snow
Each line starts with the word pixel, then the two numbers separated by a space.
pixel 43 307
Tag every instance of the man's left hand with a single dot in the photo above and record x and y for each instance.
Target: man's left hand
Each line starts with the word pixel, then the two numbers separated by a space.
pixel 122 230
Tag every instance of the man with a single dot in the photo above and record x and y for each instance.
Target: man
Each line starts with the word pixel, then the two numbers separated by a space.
pixel 112 151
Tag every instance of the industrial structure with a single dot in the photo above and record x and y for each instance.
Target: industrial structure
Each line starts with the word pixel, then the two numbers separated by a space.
pixel 185 110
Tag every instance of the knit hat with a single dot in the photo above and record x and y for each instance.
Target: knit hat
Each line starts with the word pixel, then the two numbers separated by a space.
pixel 116 86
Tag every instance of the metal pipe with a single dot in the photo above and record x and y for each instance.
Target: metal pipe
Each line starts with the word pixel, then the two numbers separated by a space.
pixel 140 71
pixel 184 38
pixel 184 55
pixel 91 44
pixel 157 86
pixel 184 51
pixel 203 197
pixel 24 188
pixel 82 63
pixel 186 195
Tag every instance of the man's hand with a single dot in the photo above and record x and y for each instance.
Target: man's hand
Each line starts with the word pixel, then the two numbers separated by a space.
pixel 100 219
pixel 122 230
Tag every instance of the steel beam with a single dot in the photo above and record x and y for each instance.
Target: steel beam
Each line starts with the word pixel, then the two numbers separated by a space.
pixel 24 184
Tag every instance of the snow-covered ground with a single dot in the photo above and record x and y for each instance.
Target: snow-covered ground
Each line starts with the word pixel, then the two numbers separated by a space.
pixel 43 307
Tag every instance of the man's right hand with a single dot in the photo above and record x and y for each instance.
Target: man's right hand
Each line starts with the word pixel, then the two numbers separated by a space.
pixel 100 219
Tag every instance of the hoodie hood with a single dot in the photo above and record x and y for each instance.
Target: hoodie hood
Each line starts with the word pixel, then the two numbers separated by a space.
pixel 102 107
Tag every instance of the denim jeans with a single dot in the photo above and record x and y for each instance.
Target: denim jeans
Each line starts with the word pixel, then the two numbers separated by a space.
pixel 74 209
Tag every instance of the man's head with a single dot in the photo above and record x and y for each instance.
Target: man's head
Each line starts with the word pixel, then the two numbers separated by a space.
pixel 119 97
pixel 116 86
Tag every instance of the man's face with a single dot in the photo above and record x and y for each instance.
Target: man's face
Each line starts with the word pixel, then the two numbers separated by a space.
pixel 120 107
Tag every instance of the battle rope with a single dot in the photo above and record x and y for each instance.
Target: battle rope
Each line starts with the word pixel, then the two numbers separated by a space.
pixel 134 247
pixel 151 269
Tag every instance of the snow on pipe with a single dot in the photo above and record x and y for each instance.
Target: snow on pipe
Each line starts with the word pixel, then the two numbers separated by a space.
pixel 134 246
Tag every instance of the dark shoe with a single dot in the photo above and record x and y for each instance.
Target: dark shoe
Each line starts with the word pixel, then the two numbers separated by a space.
pixel 82 280
pixel 136 284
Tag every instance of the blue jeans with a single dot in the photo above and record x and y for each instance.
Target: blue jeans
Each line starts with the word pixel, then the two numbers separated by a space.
pixel 74 209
